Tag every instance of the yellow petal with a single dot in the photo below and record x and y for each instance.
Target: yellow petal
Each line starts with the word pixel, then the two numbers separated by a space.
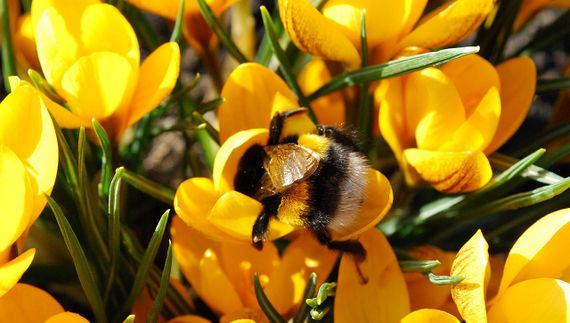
pixel 228 157
pixel 433 108
pixel 158 74
pixel 64 117
pixel 104 29
pixel 373 290
pixel 189 319
pixel 380 26
pixel 471 262
pixel 389 97
pixel 429 315
pixel 478 130
pixel 329 109
pixel 378 199
pixel 217 290
pixel 518 83
pixel 11 272
pixel 424 294
pixel 189 246
pixel 26 303
pixel 240 262
pixel 245 315
pixel 99 84
pixel 313 33
pixel 24 42
pixel 449 24
pixel 16 198
pixel 540 251
pixel 450 172
pixel 534 300
pixel 194 201
pixel 302 257
pixel 56 26
pixel 250 92
pixel 22 112
pixel 235 213
pixel 67 317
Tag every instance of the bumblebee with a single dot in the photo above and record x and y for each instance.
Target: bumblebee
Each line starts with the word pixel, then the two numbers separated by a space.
pixel 306 176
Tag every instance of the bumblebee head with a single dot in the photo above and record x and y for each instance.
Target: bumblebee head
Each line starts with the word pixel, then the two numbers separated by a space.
pixel 288 125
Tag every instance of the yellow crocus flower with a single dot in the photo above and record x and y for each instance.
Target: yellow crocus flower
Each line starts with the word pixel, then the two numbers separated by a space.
pixel 28 170
pixel 89 53
pixel 195 29
pixel 222 272
pixel 253 93
pixel 334 34
pixel 531 7
pixel 442 123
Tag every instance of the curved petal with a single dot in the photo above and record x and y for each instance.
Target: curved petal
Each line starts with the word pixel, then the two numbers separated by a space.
pixel 189 319
pixel 245 315
pixel 423 293
pixel 433 108
pixel 373 290
pixel 216 288
pixel 478 130
pixel 105 29
pixel 380 26
pixel 313 33
pixel 98 85
pixel 251 91
pixel 518 83
pixel 449 24
pixel 378 199
pixel 450 172
pixel 16 198
pixel 472 263
pixel 329 109
pixel 28 304
pixel 534 300
pixel 235 213
pixel 11 272
pixel 389 97
pixel 157 77
pixel 67 317
pixel 230 153
pixel 302 257
pixel 240 262
pixel 540 251
pixel 24 42
pixel 22 112
pixel 194 201
pixel 429 315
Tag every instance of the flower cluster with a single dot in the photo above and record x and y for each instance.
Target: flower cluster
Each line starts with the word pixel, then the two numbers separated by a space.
pixel 326 162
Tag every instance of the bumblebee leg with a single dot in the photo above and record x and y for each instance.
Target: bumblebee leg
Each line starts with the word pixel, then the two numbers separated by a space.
pixel 352 247
pixel 261 225
pixel 338 136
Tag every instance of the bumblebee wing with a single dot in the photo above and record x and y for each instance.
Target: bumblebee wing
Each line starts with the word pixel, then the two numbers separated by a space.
pixel 288 164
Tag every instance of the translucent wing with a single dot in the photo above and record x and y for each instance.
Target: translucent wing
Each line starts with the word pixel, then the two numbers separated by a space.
pixel 288 164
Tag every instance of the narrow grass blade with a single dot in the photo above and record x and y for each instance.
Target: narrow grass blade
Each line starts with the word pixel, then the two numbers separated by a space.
pixel 364 111
pixel 551 34
pixel 284 64
pixel 223 36
pixel 8 60
pixel 303 310
pixel 106 159
pixel 41 84
pixel 264 302
pixel 208 126
pixel 418 265
pixel 512 168
pixel 147 260
pixel 545 85
pixel 177 30
pixel 82 266
pixel 164 281
pixel 149 187
pixel 114 229
pixel 210 105
pixel 392 68
pixel 444 280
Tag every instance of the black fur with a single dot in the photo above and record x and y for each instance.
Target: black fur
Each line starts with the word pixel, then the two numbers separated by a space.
pixel 261 225
pixel 250 170
pixel 338 136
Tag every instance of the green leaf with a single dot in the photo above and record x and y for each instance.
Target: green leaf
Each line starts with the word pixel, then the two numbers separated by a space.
pixel 8 60
pixel 392 68
pixel 208 126
pixel 444 280
pixel 303 310
pixel 163 287
pixel 41 84
pixel 365 110
pixel 545 85
pixel 177 30
pixel 284 64
pixel 149 187
pixel 326 290
pixel 264 302
pixel 82 266
pixel 114 229
pixel 223 36
pixel 547 36
pixel 524 168
pixel 147 260
pixel 210 105
pixel 106 159
pixel 418 265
